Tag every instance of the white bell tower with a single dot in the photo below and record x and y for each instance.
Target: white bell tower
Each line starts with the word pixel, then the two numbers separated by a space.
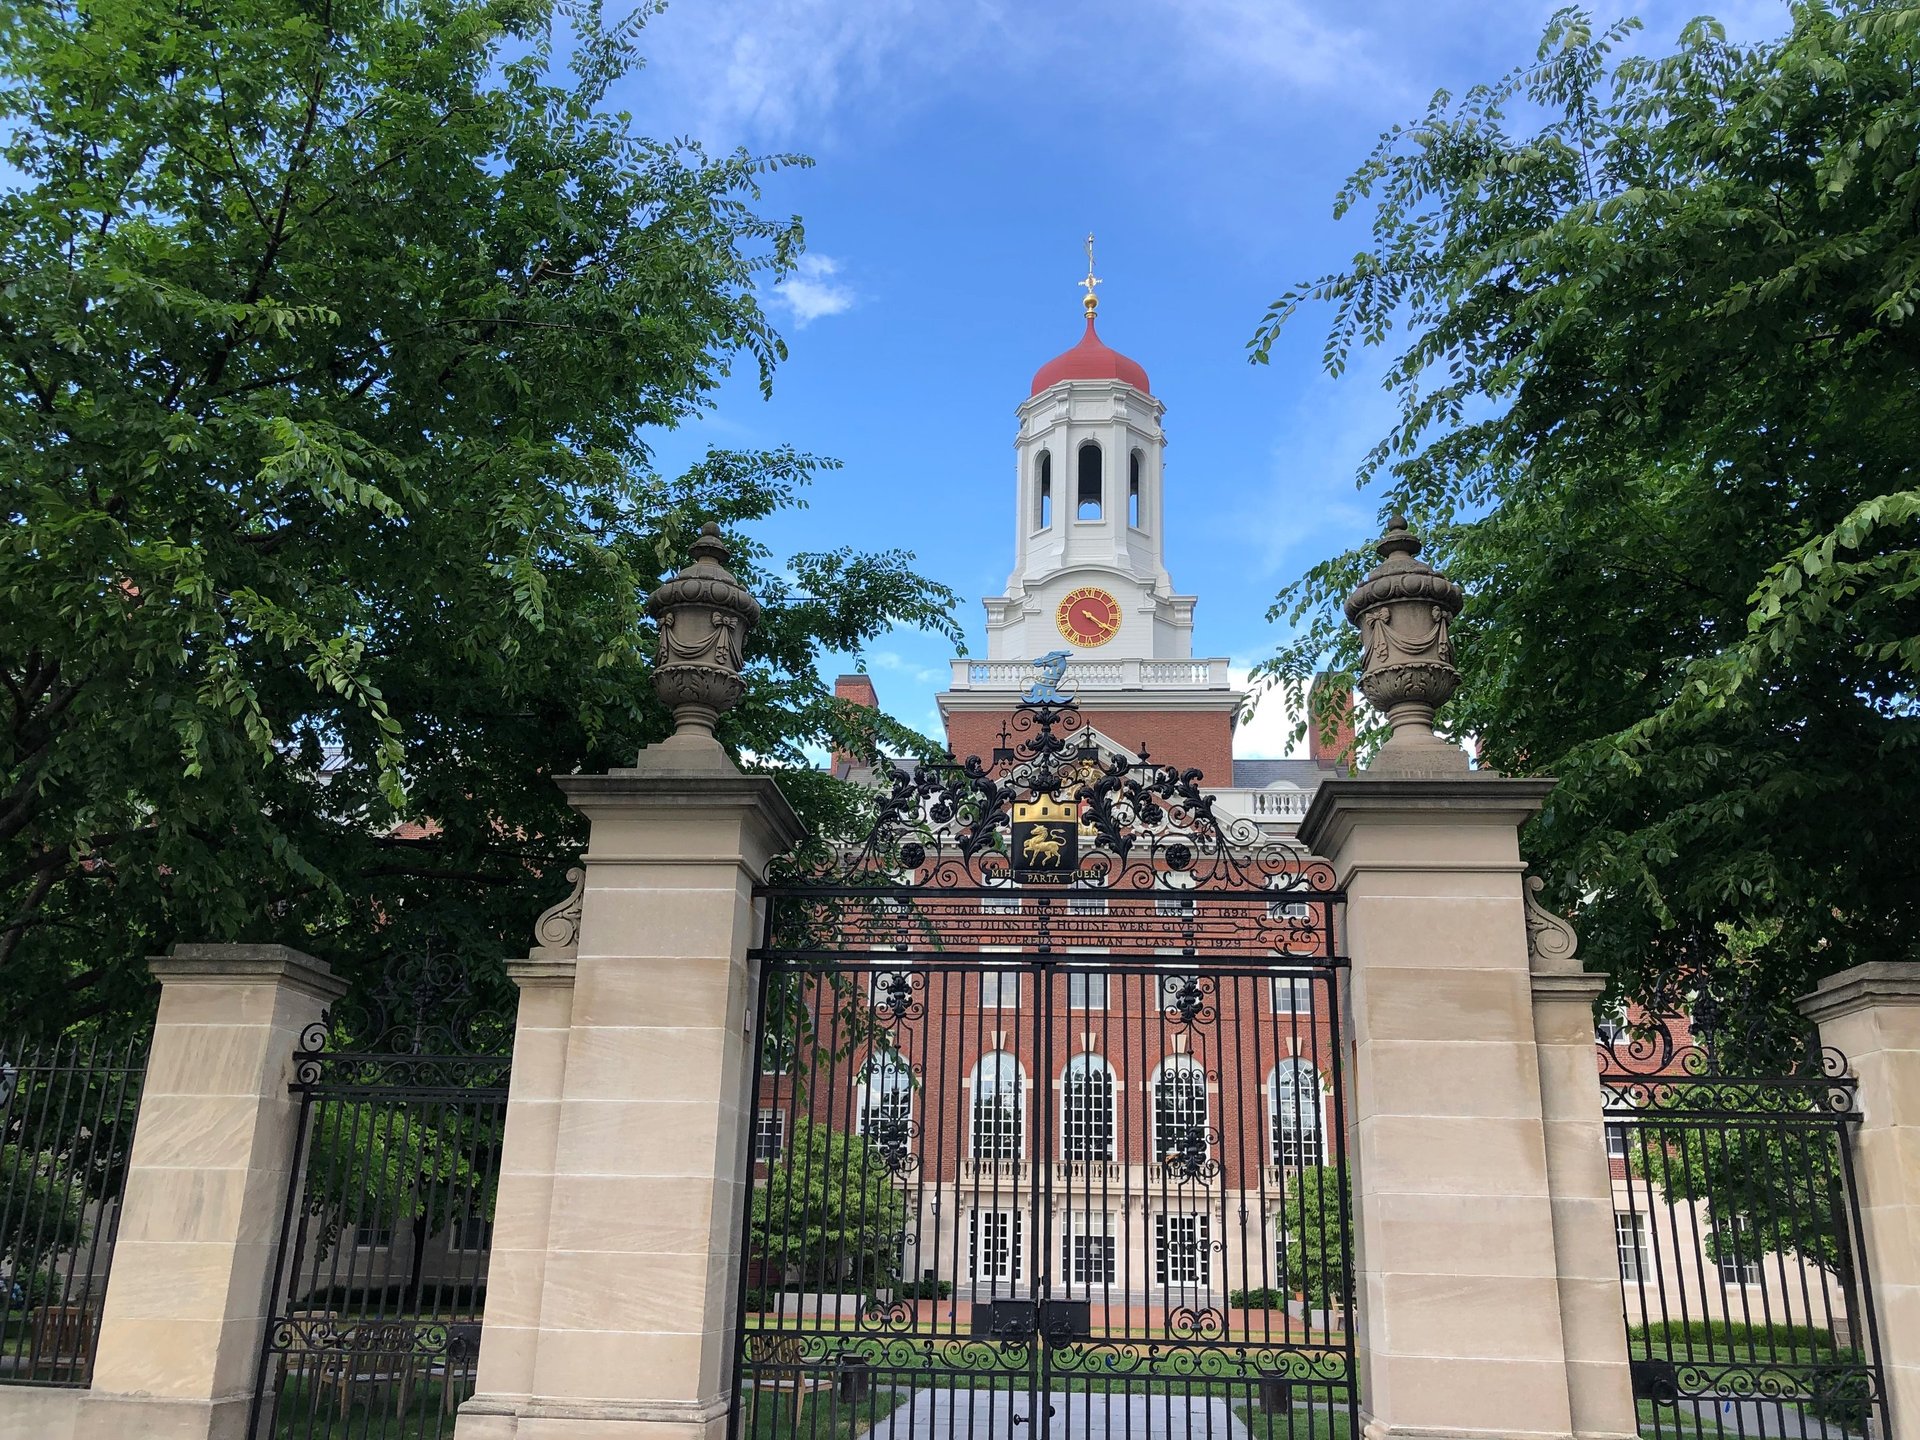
pixel 1089 512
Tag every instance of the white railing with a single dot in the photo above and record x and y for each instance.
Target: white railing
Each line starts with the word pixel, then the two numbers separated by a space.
pixel 1096 674
pixel 995 1172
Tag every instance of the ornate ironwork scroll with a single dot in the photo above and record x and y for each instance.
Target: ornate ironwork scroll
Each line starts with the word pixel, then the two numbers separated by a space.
pixel 1137 822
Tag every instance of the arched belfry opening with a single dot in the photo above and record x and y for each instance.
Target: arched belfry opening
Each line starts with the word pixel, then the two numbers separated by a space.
pixel 1087 493
pixel 1043 490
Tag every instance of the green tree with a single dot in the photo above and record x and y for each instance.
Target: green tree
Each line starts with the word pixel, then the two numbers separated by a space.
pixel 831 1210
pixel 1655 412
pixel 1316 1216
pixel 332 335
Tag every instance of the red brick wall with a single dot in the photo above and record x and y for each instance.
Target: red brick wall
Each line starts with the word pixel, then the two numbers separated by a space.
pixel 1185 738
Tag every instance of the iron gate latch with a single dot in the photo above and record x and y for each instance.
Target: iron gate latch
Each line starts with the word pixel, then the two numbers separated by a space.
pixel 1013 1320
pixel 1064 1321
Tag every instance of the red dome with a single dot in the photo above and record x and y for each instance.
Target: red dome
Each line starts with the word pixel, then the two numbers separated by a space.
pixel 1090 360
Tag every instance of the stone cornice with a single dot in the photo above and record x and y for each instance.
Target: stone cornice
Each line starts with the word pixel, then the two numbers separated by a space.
pixel 1878 982
pixel 208 964
pixel 757 797
pixel 1341 801
pixel 1553 986
pixel 543 968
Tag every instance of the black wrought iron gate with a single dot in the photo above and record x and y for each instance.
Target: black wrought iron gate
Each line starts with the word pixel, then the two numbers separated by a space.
pixel 381 1266
pixel 1048 1153
pixel 1737 1230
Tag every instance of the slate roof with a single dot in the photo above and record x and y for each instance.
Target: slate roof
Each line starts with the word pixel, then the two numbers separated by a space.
pixel 1258 774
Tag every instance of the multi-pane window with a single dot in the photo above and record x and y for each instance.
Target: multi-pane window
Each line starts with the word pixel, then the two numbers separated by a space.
pixel 1086 990
pixel 1086 1110
pixel 1179 1111
pixel 1282 1277
pixel 1087 1249
pixel 1292 995
pixel 1008 904
pixel 995 1238
pixel 1293 1106
pixel 1181 1250
pixel 769 1134
pixel 1616 1140
pixel 373 1237
pixel 998 1108
pixel 999 989
pixel 886 1104
pixel 1630 1242
pixel 776 1055
pixel 1734 1247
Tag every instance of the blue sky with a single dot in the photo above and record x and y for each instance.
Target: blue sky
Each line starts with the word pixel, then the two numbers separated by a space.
pixel 964 148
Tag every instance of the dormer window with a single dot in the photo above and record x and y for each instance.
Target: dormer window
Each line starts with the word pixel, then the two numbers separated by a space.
pixel 1043 490
pixel 1133 489
pixel 1087 498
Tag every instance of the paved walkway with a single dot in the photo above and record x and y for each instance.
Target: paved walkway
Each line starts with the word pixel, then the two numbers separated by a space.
pixel 956 1414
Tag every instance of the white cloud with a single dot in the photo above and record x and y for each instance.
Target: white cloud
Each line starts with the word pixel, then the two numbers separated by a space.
pixel 812 292
pixel 1264 735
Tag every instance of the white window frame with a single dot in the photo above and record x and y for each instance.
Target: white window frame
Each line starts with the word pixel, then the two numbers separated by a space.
pixel 1089 981
pixel 1742 1267
pixel 1094 1067
pixel 1291 1121
pixel 1630 1244
pixel 1290 994
pixel 886 1084
pixel 995 1241
pixel 1089 1255
pixel 1001 1141
pixel 1172 1065
pixel 769 1124
pixel 999 989
pixel 1183 1243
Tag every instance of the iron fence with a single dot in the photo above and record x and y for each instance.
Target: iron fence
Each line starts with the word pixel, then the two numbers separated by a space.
pixel 1738 1240
pixel 1069 1194
pixel 68 1107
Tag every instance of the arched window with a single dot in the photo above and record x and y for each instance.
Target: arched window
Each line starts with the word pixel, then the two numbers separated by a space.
pixel 886 1106
pixel 1086 1109
pixel 1294 1108
pixel 1180 1112
pixel 1086 498
pixel 1133 489
pixel 1043 490
pixel 999 1107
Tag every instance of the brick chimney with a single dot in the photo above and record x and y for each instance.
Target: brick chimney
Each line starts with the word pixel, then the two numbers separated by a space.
pixel 1335 753
pixel 858 689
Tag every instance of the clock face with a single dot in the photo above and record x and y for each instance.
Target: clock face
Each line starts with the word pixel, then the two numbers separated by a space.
pixel 1088 616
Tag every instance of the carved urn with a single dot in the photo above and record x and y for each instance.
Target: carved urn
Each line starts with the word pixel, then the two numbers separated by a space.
pixel 1403 609
pixel 704 616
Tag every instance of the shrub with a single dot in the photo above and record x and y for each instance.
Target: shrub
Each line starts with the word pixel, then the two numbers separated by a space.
pixel 924 1289
pixel 1663 1335
pixel 1264 1298
pixel 1843 1397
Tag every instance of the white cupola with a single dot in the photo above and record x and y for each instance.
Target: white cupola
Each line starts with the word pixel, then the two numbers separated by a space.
pixel 1089 506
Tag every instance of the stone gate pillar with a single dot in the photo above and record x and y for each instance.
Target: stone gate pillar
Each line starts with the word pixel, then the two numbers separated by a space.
pixel 1871 1014
pixel 1476 1149
pixel 627 1143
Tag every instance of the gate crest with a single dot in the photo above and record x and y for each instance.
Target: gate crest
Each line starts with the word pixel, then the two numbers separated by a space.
pixel 1054 807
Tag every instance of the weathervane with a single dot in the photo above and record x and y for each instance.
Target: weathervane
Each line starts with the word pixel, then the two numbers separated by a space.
pixel 1092 302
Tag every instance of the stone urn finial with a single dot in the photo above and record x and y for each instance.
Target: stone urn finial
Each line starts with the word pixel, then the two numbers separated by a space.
pixel 1403 609
pixel 704 616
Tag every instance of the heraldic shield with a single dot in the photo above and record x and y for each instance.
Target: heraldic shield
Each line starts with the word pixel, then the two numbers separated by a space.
pixel 1046 841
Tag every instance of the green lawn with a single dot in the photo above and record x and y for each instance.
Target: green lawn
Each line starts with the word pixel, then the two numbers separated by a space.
pixel 303 1415
pixel 822 1416
pixel 1300 1423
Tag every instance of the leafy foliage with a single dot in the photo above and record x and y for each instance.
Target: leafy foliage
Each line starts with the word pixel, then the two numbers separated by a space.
pixel 1318 1200
pixel 831 1210
pixel 331 333
pixel 1655 410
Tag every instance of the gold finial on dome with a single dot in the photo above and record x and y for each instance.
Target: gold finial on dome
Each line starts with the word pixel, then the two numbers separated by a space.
pixel 1092 302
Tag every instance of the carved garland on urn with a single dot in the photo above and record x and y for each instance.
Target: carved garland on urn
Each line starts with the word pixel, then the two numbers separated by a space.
pixel 704 616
